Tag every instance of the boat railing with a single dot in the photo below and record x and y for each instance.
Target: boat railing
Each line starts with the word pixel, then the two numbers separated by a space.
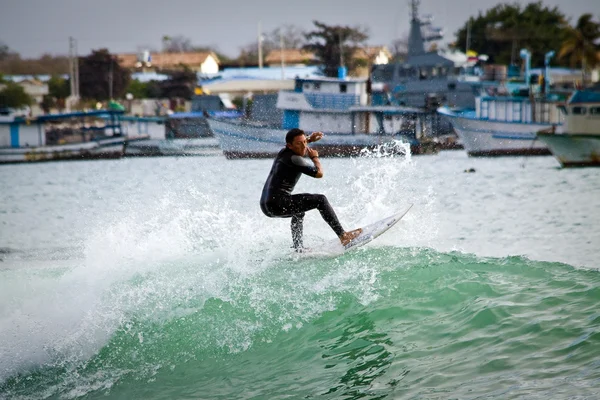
pixel 332 101
pixel 518 110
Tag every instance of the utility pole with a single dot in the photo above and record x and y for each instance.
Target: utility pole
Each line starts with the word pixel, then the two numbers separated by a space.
pixel 468 41
pixel 260 40
pixel 282 58
pixel 341 51
pixel 74 68
pixel 110 79
pixel 342 71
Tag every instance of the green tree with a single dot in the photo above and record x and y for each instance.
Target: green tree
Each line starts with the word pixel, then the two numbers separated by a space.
pixel 507 28
pixel 14 96
pixel 145 90
pixel 153 89
pixel 334 45
pixel 248 56
pixel 180 84
pixel 95 73
pixel 4 51
pixel 48 102
pixel 58 87
pixel 579 47
pixel 138 89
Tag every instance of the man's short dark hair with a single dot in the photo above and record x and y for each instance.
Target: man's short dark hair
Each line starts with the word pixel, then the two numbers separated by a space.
pixel 292 133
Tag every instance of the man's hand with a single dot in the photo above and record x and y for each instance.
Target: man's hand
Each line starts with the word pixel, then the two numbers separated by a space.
pixel 312 153
pixel 315 136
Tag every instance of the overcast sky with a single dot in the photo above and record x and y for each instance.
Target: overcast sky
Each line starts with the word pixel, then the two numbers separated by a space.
pixel 34 27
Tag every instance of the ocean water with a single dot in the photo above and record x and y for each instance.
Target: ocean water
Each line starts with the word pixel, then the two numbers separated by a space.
pixel 161 279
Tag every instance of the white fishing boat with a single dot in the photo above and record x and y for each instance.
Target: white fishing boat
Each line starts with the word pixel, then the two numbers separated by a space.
pixel 208 146
pixel 336 107
pixel 240 139
pixel 504 125
pixel 577 144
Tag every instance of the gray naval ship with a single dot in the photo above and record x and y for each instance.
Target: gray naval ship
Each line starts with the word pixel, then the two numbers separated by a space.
pixel 426 79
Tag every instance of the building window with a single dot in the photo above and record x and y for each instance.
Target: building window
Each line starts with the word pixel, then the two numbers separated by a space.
pixel 579 110
pixel 343 88
pixel 317 85
pixel 595 111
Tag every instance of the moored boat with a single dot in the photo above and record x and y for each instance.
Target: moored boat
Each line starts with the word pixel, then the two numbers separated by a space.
pixel 242 139
pixel 577 144
pixel 337 107
pixel 69 136
pixel 504 125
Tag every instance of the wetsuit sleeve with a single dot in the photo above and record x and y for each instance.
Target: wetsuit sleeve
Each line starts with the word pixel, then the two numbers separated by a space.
pixel 303 166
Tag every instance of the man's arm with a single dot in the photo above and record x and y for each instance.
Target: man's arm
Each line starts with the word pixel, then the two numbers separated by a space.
pixel 314 156
pixel 315 136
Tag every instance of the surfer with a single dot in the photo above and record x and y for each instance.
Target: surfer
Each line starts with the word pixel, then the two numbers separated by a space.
pixel 277 199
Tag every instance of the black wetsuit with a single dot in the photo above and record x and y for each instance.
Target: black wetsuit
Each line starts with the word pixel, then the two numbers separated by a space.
pixel 277 199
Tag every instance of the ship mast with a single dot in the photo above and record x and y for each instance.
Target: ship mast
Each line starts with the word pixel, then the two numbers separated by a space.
pixel 415 38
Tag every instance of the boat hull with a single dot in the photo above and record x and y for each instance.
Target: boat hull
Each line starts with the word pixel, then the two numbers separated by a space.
pixel 96 150
pixel 248 141
pixel 208 146
pixel 573 150
pixel 485 138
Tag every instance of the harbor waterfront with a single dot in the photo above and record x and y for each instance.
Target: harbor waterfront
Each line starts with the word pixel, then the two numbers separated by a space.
pixel 161 278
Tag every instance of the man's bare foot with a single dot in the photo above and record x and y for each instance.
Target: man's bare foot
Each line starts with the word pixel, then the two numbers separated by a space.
pixel 348 236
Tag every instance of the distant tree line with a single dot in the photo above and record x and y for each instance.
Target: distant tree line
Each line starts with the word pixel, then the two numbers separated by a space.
pixel 102 78
pixel 502 31
pixel 11 63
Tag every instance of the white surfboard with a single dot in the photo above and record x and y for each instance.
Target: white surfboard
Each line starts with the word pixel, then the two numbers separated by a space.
pixel 369 232
pixel 375 229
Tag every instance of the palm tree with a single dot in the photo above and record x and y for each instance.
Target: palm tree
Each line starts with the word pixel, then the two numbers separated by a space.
pixel 579 46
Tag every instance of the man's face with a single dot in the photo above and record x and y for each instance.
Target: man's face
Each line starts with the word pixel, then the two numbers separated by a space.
pixel 298 145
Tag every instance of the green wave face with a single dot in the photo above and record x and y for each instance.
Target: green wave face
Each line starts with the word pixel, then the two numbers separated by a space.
pixel 375 323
